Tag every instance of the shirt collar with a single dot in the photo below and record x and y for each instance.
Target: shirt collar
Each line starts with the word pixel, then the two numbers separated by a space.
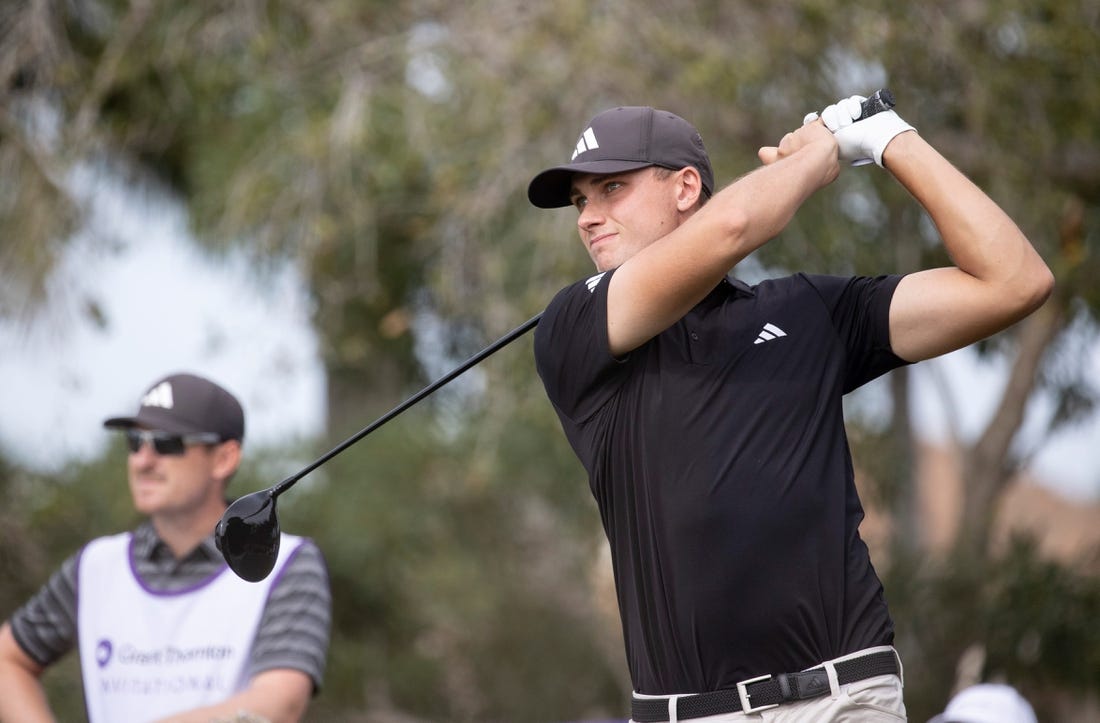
pixel 739 286
pixel 147 545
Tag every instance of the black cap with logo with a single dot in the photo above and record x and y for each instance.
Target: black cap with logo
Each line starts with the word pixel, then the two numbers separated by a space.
pixel 186 404
pixel 625 139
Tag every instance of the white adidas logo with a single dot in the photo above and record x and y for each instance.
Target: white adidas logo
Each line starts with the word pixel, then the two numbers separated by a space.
pixel 769 332
pixel 593 281
pixel 159 396
pixel 587 142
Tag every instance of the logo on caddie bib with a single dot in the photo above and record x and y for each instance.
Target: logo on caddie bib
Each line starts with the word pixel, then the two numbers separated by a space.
pixel 103 653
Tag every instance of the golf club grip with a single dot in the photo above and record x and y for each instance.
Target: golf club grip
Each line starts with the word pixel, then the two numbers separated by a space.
pixel 882 99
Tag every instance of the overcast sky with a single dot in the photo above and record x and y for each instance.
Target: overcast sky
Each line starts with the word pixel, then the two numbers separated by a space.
pixel 168 308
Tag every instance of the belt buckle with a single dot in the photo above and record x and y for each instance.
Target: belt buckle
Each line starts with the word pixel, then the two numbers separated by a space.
pixel 743 694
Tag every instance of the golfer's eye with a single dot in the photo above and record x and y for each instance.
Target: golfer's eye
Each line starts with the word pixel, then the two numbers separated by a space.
pixel 579 202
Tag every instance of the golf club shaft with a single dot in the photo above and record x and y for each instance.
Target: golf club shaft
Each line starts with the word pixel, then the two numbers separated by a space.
pixel 443 380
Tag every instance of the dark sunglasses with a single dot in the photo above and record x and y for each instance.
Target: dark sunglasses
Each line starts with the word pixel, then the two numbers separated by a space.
pixel 168 444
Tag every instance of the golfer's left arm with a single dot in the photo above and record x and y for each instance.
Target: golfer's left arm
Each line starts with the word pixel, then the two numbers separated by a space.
pixel 998 277
pixel 278 696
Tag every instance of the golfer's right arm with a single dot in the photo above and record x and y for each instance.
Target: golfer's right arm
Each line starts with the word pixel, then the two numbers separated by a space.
pixel 662 282
pixel 23 700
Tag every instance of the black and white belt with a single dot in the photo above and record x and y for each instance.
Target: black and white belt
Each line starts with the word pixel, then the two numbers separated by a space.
pixel 767 691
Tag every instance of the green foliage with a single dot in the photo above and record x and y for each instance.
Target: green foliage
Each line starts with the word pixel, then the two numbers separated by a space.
pixel 46 519
pixel 1032 619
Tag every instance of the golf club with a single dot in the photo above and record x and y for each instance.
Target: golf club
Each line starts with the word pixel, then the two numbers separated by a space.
pixel 248 533
pixel 882 99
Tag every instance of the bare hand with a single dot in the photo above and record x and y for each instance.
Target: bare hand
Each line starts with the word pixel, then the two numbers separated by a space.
pixel 813 132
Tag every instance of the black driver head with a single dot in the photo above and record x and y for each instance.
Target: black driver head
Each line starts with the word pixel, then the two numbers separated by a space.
pixel 248 536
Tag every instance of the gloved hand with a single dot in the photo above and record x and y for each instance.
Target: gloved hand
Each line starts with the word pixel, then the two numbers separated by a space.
pixel 860 141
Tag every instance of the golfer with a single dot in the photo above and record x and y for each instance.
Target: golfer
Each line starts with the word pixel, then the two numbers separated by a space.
pixel 165 631
pixel 708 413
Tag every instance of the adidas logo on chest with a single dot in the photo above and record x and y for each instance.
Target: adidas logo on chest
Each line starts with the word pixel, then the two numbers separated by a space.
pixel 770 332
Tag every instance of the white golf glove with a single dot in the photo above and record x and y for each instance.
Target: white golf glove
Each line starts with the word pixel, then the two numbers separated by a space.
pixel 860 141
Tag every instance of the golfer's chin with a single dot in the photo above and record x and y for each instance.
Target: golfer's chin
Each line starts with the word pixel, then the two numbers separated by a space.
pixel 604 261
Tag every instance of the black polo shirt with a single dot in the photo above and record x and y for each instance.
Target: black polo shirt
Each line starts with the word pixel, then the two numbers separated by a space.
pixel 718 458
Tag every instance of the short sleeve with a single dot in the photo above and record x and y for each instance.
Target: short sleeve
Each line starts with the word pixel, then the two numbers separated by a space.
pixel 572 352
pixel 295 627
pixel 859 307
pixel 45 626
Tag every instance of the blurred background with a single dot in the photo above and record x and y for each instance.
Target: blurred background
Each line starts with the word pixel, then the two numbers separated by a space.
pixel 322 205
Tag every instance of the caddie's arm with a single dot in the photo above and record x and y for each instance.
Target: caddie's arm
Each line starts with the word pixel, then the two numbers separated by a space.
pixel 273 696
pixel 998 277
pixel 22 699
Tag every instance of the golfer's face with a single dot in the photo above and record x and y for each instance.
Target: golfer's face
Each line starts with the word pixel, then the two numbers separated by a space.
pixel 622 213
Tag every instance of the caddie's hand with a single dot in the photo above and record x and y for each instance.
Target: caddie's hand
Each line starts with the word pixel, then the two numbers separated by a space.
pixel 860 141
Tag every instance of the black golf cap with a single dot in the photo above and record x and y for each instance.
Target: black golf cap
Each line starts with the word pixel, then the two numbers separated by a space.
pixel 625 139
pixel 186 404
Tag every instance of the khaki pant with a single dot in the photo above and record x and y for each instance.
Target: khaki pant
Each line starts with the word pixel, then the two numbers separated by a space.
pixel 871 700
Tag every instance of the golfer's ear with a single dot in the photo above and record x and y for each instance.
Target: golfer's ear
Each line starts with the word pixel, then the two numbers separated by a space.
pixel 689 187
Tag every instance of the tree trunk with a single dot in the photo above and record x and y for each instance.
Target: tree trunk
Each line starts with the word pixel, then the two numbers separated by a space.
pixel 987 464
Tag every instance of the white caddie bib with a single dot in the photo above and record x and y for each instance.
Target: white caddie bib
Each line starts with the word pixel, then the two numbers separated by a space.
pixel 146 654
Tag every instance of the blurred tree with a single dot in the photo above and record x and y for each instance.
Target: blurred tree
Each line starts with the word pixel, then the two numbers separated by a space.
pixel 1014 113
pixel 82 502
pixel 1018 619
pixel 36 212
